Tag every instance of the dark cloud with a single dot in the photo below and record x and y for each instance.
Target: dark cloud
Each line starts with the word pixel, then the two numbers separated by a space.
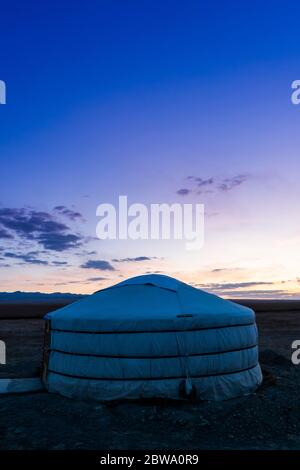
pixel 63 283
pixel 86 252
pixel 259 294
pixel 39 226
pixel 94 279
pixel 213 184
pixel 59 263
pixel 102 265
pixel 27 223
pixel 28 258
pixel 5 234
pixel 136 259
pixel 154 272
pixel 233 285
pixel 219 270
pixel 201 181
pixel 204 182
pixel 183 191
pixel 71 214
pixel 230 183
pixel 59 241
pixel 205 191
pixel 239 290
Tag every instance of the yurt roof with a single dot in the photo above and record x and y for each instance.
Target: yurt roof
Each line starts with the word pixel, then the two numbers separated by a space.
pixel 151 297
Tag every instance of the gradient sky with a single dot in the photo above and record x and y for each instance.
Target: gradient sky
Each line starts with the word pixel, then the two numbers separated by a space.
pixel 108 97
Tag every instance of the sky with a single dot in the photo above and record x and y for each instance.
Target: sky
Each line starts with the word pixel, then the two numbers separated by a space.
pixel 162 101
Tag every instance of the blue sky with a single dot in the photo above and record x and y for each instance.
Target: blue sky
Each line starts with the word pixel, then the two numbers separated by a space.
pixel 110 97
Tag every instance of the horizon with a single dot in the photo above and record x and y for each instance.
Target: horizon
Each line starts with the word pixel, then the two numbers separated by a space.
pixel 68 293
pixel 165 105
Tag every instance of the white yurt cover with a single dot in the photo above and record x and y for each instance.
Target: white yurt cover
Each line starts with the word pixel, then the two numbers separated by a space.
pixel 152 336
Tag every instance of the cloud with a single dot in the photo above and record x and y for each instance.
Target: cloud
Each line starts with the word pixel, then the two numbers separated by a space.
pixel 219 270
pixel 201 181
pixel 5 234
pixel 86 253
pixel 204 182
pixel 81 281
pixel 27 223
pixel 154 272
pixel 213 184
pixel 102 265
pixel 183 191
pixel 59 263
pixel 205 191
pixel 230 183
pixel 38 226
pixel 63 283
pixel 241 290
pixel 59 241
pixel 233 285
pixel 72 215
pixel 136 259
pixel 260 294
pixel 29 258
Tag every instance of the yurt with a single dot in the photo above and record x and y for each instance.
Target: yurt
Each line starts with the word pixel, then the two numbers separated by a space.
pixel 152 336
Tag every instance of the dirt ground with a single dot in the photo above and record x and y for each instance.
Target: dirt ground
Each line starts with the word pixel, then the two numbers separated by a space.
pixel 268 419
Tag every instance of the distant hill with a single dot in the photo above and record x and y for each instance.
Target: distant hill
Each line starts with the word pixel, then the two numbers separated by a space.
pixel 19 297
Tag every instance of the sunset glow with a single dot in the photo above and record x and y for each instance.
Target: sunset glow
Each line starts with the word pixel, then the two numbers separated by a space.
pixel 171 114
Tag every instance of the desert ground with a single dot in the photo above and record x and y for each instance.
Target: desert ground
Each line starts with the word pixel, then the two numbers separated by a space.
pixel 268 419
